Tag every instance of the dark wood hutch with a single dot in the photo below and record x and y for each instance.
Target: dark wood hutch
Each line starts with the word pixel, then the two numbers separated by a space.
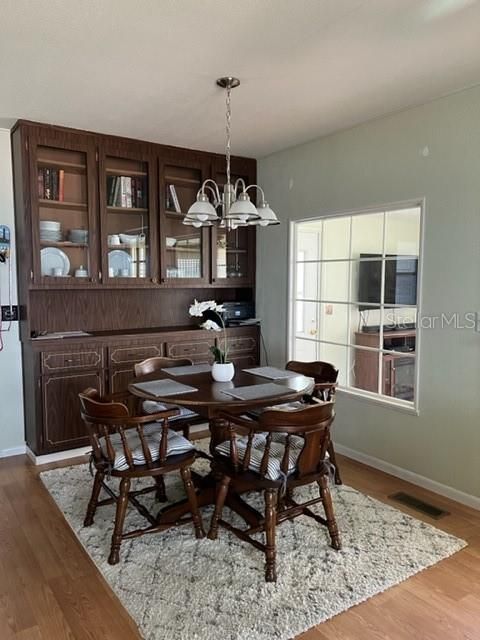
pixel 101 248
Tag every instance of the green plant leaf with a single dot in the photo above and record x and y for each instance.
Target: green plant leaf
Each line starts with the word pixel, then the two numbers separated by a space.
pixel 218 354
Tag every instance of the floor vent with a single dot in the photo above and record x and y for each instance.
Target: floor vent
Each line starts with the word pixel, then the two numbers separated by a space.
pixel 419 505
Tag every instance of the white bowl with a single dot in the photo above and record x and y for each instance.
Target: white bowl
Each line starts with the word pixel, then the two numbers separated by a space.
pixel 126 239
pixel 171 242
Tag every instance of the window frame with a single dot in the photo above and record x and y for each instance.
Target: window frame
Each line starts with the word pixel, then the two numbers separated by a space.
pixel 361 394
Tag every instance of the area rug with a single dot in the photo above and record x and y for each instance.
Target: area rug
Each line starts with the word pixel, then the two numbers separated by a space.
pixel 178 588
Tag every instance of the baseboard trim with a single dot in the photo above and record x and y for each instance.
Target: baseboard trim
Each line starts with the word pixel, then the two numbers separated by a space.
pixel 58 456
pixel 13 451
pixel 410 476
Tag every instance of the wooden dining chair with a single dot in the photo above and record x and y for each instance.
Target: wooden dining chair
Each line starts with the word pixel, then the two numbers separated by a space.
pixel 185 418
pixel 282 450
pixel 325 375
pixel 129 446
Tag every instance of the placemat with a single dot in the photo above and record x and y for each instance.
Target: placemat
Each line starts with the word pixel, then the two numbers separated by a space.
pixel 256 391
pixel 161 388
pixel 272 373
pixel 188 370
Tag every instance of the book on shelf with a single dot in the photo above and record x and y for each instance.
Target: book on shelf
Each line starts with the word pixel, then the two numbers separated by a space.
pixel 47 184
pixel 174 198
pixel 41 184
pixel 51 184
pixel 54 175
pixel 126 192
pixel 61 185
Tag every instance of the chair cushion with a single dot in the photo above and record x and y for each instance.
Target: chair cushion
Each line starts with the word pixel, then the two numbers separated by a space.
pixel 150 406
pixel 176 444
pixel 277 449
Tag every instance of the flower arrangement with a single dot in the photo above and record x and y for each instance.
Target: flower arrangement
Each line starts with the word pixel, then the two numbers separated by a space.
pixel 210 312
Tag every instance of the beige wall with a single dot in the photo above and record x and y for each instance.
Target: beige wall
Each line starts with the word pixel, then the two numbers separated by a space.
pixel 433 152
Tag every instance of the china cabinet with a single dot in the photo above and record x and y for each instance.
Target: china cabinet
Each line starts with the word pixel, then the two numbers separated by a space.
pixel 102 249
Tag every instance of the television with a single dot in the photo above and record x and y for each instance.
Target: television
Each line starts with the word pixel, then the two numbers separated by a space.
pixel 400 280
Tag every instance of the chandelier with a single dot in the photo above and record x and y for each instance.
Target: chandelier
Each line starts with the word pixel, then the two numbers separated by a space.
pixel 234 204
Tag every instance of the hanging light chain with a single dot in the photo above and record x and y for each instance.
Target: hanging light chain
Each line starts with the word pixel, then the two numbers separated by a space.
pixel 228 130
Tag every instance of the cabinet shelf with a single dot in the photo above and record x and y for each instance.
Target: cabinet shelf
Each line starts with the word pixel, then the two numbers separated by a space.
pixel 183 181
pixel 62 204
pixel 126 209
pixel 69 167
pixel 126 247
pixel 65 244
pixel 127 173
pixel 196 250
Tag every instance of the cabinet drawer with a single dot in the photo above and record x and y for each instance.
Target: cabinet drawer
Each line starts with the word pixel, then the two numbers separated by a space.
pixel 135 353
pixel 198 350
pixel 60 361
pixel 242 344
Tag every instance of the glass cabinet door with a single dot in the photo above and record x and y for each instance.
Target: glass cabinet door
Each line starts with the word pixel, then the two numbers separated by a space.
pixel 233 254
pixel 184 247
pixel 127 218
pixel 63 213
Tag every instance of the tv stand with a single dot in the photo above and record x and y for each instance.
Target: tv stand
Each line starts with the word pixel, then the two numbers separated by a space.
pixel 398 370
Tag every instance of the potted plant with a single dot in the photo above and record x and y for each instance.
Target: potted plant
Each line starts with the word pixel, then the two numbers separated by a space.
pixel 211 314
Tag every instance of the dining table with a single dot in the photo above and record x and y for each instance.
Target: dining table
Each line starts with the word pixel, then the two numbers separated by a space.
pixel 210 400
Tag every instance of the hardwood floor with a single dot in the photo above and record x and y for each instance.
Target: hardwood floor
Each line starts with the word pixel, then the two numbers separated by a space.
pixel 50 590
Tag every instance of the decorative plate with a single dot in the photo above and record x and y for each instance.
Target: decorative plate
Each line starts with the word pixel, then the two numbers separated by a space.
pixel 52 258
pixel 119 260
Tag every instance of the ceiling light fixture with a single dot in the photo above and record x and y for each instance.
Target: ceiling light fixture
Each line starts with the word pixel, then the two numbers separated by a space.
pixel 236 208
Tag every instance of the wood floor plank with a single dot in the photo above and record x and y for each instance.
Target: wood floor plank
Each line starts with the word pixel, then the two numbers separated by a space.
pixel 88 611
pixel 51 590
pixel 50 616
pixel 33 633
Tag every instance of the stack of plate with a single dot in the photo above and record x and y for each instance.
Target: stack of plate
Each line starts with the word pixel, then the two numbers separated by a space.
pixel 50 231
pixel 78 236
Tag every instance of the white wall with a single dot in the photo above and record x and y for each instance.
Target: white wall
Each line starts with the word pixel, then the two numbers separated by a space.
pixel 432 151
pixel 12 437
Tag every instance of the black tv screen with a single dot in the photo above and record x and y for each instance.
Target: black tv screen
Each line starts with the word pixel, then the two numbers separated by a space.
pixel 400 280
